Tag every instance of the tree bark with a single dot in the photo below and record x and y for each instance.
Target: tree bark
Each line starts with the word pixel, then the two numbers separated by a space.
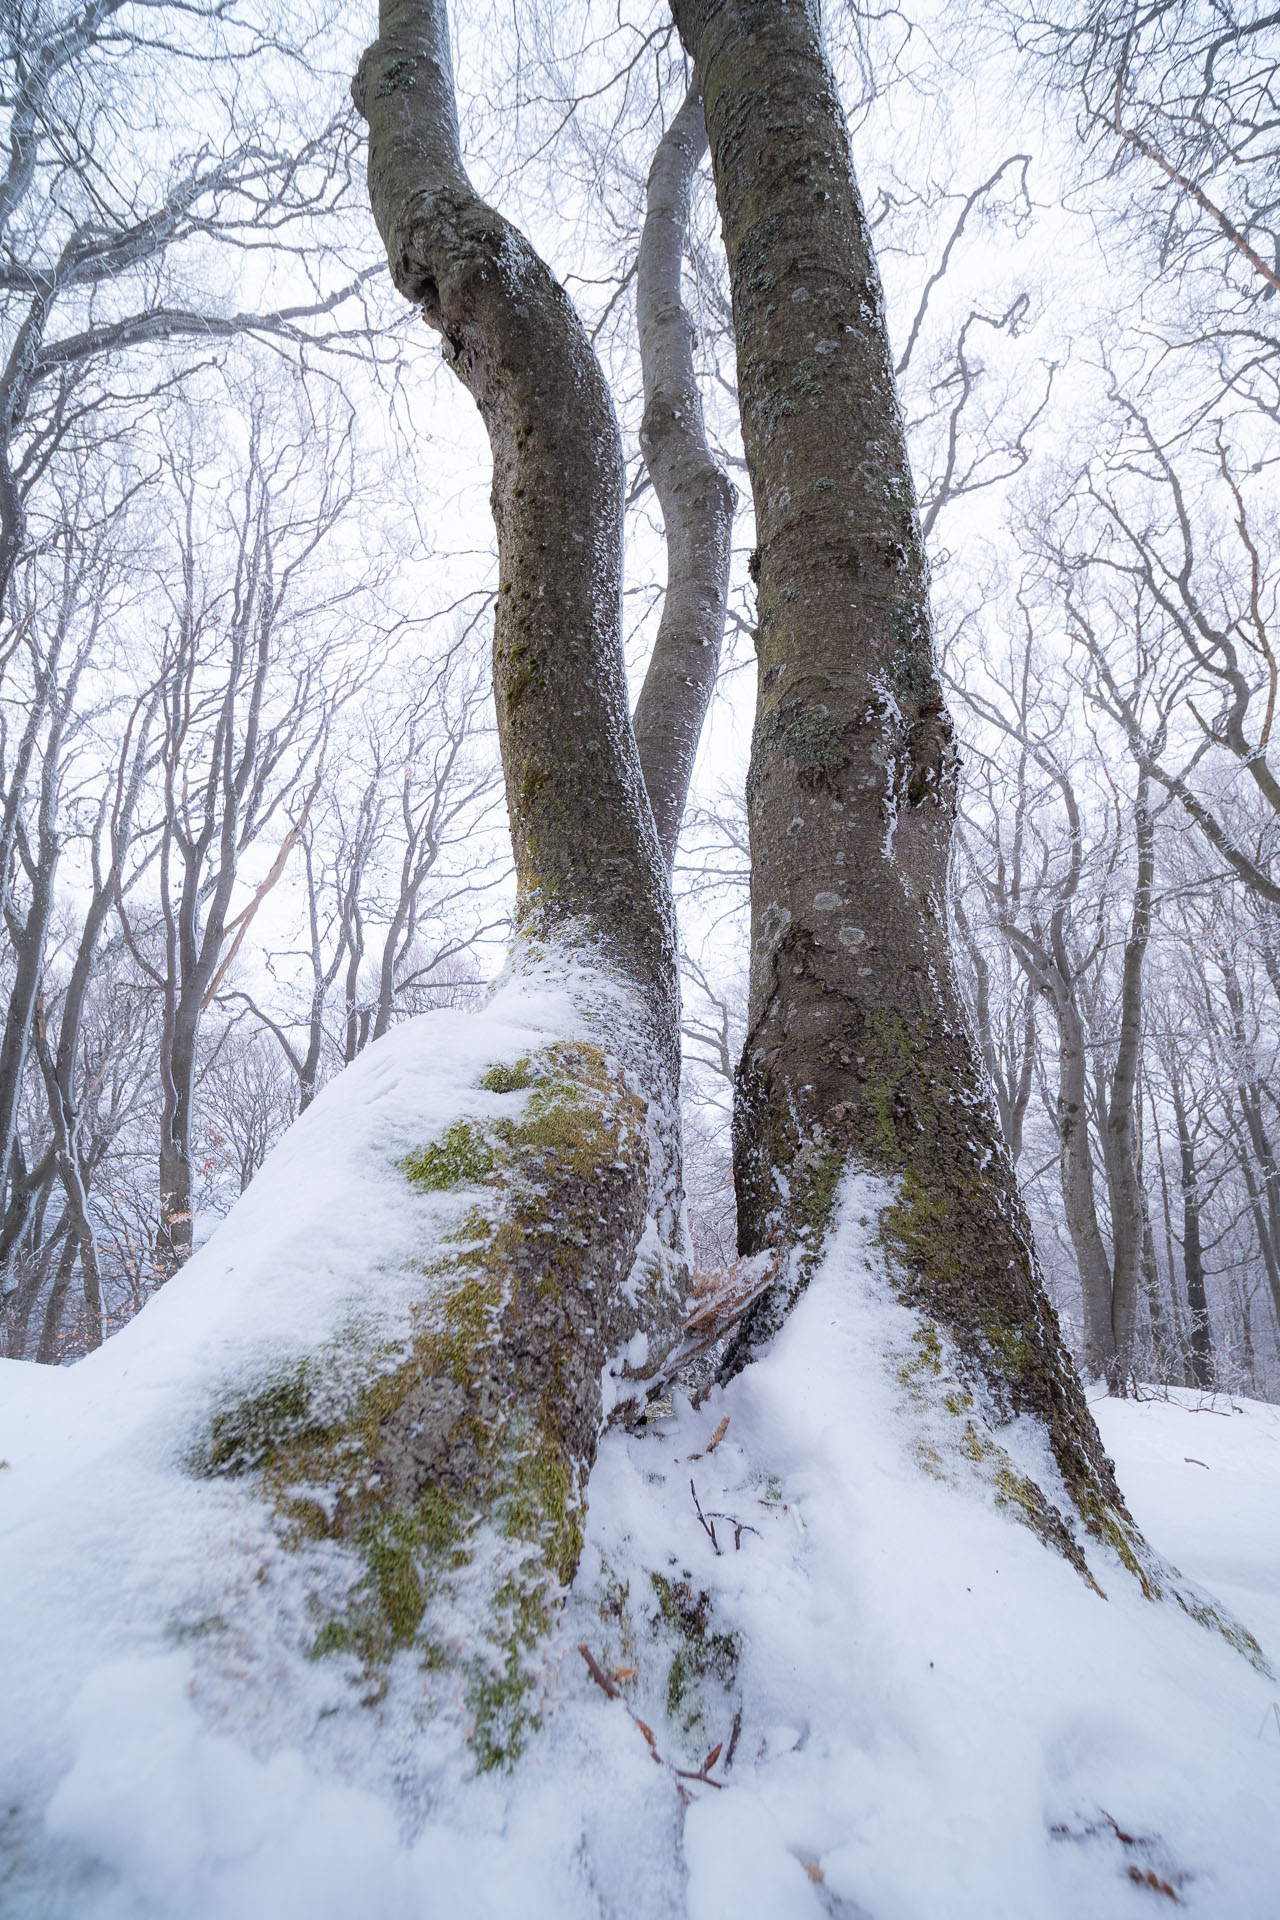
pixel 588 873
pixel 47 1350
pixel 1079 1198
pixel 1161 1344
pixel 1120 1134
pixel 694 493
pixel 1249 1096
pixel 1261 1222
pixel 858 1056
pixel 474 1450
pixel 1200 1357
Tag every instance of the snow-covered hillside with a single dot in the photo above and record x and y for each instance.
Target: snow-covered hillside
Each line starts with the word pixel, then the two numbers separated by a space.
pixel 918 1712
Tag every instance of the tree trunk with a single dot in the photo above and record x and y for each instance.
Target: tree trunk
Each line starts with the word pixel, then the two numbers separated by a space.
pixel 19 1302
pixel 1120 1135
pixel 589 875
pixel 25 1188
pixel 858 1056
pixel 47 1350
pixel 1261 1221
pixel 1079 1199
pixel 1200 1358
pixel 694 494
pixel 178 1066
pixel 474 1451
pixel 1250 1099
pixel 1161 1343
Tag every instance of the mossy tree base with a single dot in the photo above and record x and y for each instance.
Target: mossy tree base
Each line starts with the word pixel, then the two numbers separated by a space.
pixel 450 1465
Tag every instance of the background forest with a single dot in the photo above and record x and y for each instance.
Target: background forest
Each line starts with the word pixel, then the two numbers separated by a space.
pixel 251 810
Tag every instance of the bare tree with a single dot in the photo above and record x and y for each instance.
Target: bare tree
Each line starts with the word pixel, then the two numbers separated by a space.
pixel 244 714
pixel 92 257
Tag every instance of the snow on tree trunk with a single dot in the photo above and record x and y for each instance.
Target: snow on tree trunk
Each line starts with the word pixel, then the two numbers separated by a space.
pixel 445 1459
pixel 858 1056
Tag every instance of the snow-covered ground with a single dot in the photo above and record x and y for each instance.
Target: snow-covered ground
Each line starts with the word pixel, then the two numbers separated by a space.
pixel 921 1714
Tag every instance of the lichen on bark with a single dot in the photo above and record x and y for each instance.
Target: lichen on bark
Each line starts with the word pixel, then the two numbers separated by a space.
pixel 498 1405
pixel 447 1463
pixel 858 1056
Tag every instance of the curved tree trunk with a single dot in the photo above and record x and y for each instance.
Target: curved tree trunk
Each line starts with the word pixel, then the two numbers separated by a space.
pixel 858 1056
pixel 460 1462
pixel 694 494
pixel 587 874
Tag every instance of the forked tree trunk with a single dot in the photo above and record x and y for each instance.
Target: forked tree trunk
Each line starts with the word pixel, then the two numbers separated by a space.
pixel 858 1057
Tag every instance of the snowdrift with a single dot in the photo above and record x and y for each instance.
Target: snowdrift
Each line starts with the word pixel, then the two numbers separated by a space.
pixel 810 1664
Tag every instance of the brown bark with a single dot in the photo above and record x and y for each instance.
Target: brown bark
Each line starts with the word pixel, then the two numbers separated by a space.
pixel 475 1451
pixel 1120 1134
pixel 858 1055
pixel 693 492
pixel 587 863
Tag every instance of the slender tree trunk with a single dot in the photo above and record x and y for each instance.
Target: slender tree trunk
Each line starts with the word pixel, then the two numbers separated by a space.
pixel 1120 1135
pixel 694 494
pixel 1012 1090
pixel 1261 1221
pixel 858 1055
pixel 174 1235
pixel 1079 1198
pixel 1161 1342
pixel 47 1350
pixel 28 937
pixel 26 1186
pixel 1248 1359
pixel 20 1303
pixel 514 340
pixel 1179 1342
pixel 1200 1357
pixel 1250 1099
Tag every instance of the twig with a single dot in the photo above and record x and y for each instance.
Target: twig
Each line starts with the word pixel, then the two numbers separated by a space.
pixel 708 1526
pixel 739 1528
pixel 599 1675
pixel 701 1774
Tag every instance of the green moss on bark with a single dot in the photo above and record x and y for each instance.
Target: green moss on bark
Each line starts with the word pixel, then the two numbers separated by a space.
pixel 460 1157
pixel 457 1451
